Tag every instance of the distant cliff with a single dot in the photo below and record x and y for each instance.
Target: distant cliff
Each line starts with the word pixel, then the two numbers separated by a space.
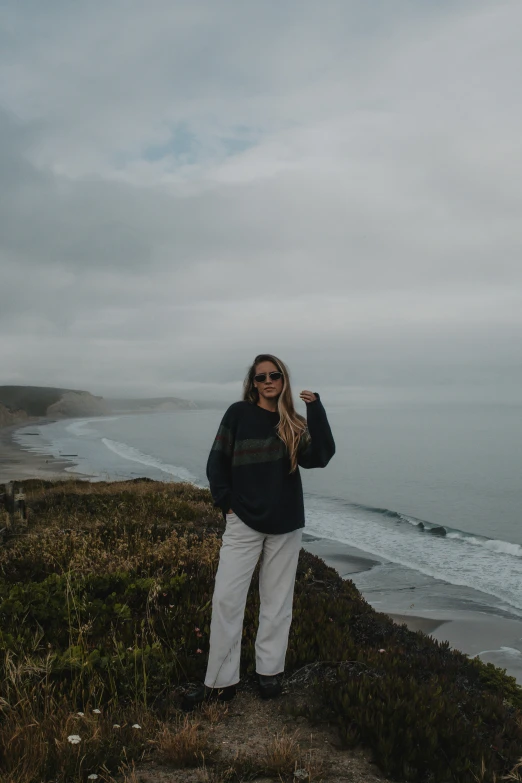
pixel 18 403
pixel 78 403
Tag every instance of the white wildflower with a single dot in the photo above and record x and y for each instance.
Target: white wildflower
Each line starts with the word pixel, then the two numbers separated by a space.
pixel 80 714
pixel 136 726
pixel 97 712
pixel 74 739
pixel 92 777
pixel 116 726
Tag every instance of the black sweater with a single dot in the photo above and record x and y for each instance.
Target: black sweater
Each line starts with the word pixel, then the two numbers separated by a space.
pixel 249 468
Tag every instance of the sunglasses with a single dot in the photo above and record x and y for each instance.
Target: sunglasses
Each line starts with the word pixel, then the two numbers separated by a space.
pixel 274 376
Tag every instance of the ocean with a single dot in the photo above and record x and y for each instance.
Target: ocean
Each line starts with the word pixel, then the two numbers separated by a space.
pixel 433 492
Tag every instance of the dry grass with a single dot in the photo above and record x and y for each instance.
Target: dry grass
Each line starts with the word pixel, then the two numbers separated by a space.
pixel 39 727
pixel 241 768
pixel 36 742
pixel 282 754
pixel 310 763
pixel 126 774
pixel 150 531
pixel 206 775
pixel 285 755
pixel 515 774
pixel 213 711
pixel 284 759
pixel 131 777
pixel 186 745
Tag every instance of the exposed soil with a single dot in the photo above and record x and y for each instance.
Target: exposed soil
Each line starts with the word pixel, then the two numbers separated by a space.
pixel 242 735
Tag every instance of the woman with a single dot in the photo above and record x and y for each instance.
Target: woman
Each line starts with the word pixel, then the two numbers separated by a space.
pixel 254 478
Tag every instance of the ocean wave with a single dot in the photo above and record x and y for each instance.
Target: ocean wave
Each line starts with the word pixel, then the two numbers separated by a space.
pixel 491 567
pixel 511 652
pixel 384 512
pixel 495 545
pixel 81 427
pixel 135 455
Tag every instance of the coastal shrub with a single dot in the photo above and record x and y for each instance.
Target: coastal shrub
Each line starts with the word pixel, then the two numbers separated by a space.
pixel 423 730
pixel 43 739
pixel 105 603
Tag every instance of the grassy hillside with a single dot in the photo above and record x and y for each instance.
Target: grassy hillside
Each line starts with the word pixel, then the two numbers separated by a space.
pixel 34 400
pixel 43 400
pixel 105 605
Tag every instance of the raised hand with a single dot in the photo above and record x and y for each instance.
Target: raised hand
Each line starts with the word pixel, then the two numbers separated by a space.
pixel 307 396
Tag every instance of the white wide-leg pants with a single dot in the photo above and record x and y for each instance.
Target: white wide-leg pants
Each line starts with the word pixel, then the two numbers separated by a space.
pixel 239 554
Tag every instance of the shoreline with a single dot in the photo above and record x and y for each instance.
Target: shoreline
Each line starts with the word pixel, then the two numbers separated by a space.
pixel 476 629
pixel 468 625
pixel 343 559
pixel 17 464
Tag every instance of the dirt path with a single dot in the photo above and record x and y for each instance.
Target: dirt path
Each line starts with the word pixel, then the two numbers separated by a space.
pixel 251 739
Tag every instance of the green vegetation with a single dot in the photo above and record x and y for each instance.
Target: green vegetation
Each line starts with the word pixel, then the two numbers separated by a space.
pixel 44 401
pixel 34 400
pixel 105 605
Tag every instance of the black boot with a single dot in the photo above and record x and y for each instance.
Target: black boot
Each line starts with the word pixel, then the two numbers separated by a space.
pixel 203 694
pixel 269 686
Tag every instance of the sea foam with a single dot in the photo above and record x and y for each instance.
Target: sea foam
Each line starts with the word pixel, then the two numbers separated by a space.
pixel 493 567
pixel 493 544
pixel 135 455
pixel 81 427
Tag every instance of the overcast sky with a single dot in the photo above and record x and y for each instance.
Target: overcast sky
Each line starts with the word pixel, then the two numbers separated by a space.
pixel 186 183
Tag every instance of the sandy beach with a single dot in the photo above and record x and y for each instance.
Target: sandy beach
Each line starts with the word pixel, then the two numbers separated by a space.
pixel 443 611
pixel 17 464
pixel 475 629
pixel 348 564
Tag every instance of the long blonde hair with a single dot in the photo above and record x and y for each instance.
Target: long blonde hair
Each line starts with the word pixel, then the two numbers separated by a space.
pixel 291 424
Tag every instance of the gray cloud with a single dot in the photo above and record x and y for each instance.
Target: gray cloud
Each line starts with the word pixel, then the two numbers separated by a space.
pixel 338 183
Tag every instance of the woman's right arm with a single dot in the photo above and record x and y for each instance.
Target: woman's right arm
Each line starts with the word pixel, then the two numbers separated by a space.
pixel 219 464
pixel 318 443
